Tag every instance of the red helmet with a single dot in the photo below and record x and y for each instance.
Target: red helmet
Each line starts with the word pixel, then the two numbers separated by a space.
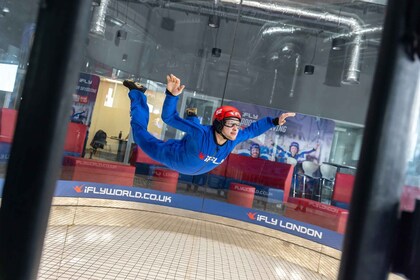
pixel 224 112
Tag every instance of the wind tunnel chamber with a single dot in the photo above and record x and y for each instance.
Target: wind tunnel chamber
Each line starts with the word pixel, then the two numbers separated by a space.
pixel 311 59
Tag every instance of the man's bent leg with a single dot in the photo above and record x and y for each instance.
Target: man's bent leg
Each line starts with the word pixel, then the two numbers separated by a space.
pixel 139 109
pixel 152 146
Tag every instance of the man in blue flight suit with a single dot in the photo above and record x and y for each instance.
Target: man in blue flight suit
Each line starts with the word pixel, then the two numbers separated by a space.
pixel 203 147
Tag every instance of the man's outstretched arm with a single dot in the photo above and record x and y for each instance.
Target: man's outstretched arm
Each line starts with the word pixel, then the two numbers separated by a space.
pixel 169 113
pixel 264 124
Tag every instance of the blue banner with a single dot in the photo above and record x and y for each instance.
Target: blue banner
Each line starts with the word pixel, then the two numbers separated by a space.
pixel 104 191
pixel 4 151
pixel 273 221
pixel 277 222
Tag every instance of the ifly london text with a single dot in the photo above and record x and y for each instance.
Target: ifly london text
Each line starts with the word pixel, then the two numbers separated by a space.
pixel 125 193
pixel 285 225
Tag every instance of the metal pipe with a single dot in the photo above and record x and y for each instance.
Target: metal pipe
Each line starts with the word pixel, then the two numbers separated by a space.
pixel 352 62
pixel 98 25
pixel 364 31
pixel 269 31
pixel 201 72
pixel 295 74
pixel 273 88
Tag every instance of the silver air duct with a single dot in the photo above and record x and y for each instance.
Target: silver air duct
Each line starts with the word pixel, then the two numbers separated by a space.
pixel 351 74
pixel 364 31
pixel 98 26
pixel 279 30
pixel 193 8
pixel 352 62
pixel 378 2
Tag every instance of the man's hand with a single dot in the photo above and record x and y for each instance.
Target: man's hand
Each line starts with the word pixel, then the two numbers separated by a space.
pixel 174 85
pixel 284 116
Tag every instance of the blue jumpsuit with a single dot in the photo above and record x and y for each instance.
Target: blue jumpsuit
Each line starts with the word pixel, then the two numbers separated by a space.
pixel 197 152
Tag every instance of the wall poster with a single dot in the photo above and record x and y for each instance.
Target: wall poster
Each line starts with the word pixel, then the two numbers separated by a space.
pixel 302 138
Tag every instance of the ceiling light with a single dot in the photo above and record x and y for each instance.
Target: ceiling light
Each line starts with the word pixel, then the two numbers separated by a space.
pixel 167 23
pixel 4 12
pixel 338 44
pixel 274 56
pixel 214 21
pixel 309 69
pixel 216 52
pixel 122 34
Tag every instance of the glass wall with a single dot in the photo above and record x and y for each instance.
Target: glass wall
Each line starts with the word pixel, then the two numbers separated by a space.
pixel 411 191
pixel 17 29
pixel 315 58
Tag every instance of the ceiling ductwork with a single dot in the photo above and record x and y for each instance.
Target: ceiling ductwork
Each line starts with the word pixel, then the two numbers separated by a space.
pixel 351 74
pixel 98 26
pixel 304 20
pixel 270 40
pixel 193 7
pixel 378 2
pixel 364 31
pixel 301 16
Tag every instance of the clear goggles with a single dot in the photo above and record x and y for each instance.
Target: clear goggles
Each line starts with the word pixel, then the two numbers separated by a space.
pixel 232 123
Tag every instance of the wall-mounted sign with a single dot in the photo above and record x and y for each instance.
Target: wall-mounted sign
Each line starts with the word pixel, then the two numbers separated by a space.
pixel 303 137
pixel 84 98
